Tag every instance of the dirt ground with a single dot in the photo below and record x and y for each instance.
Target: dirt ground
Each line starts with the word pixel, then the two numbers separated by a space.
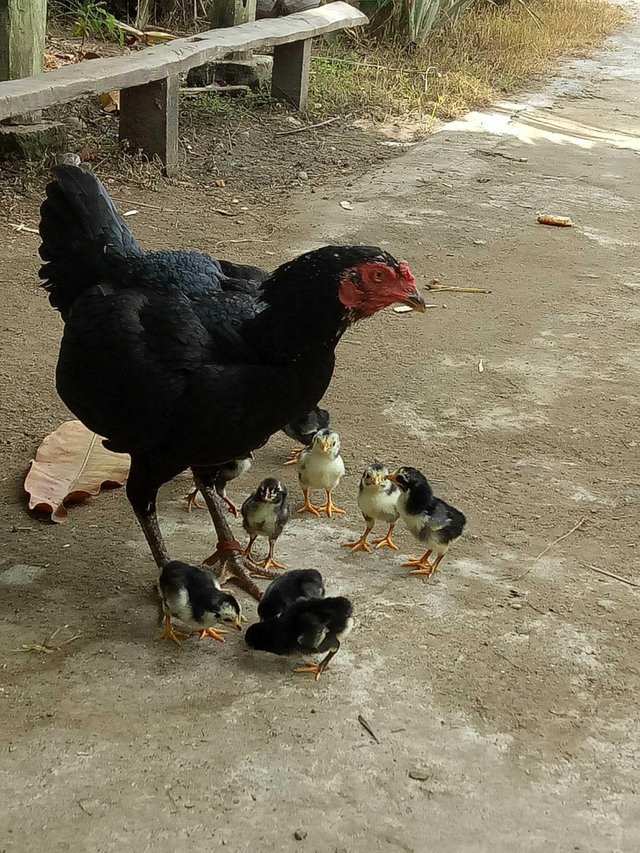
pixel 503 692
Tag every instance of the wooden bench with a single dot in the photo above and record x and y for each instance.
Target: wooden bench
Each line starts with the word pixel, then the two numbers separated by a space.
pixel 149 80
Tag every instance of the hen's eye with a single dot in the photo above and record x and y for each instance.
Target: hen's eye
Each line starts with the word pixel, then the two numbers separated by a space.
pixel 378 275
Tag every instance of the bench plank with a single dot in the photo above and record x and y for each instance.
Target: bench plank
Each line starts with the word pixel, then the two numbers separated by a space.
pixel 92 77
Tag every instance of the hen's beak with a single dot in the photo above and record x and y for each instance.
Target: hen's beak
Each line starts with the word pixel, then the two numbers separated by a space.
pixel 416 301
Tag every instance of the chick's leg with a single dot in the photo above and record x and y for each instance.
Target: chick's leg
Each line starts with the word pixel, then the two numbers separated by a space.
pixel 270 563
pixel 307 506
pixel 330 508
pixel 249 548
pixel 233 509
pixel 317 669
pixel 362 544
pixel 169 633
pixel 386 541
pixel 428 568
pixel 192 501
pixel 233 566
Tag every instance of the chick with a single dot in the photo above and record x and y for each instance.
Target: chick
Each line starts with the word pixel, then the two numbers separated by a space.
pixel 320 466
pixel 307 625
pixel 225 475
pixel 265 513
pixel 432 521
pixel 303 430
pixel 378 501
pixel 194 596
pixel 287 589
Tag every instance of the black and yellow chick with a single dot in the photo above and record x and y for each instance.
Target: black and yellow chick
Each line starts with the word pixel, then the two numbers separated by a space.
pixel 432 521
pixel 194 596
pixel 377 501
pixel 303 430
pixel 224 475
pixel 310 623
pixel 287 589
pixel 265 513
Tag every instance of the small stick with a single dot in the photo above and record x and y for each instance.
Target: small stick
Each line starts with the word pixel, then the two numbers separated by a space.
pixel 615 577
pixel 306 127
pixel 202 90
pixel 442 287
pixel 365 725
pixel 550 546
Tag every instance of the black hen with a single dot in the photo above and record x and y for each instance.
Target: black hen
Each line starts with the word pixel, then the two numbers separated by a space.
pixel 177 370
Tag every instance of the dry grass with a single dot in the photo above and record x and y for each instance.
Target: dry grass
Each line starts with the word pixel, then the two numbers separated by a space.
pixel 487 53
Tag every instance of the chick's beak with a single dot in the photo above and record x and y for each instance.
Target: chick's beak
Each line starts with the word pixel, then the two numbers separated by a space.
pixel 392 477
pixel 238 624
pixel 415 300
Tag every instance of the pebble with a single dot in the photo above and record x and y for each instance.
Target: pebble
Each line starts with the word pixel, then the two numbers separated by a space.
pixel 517 537
pixel 605 604
pixel 515 605
pixel 302 176
pixel 300 835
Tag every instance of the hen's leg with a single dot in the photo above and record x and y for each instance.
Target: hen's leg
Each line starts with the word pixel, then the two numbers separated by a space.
pixel 233 565
pixel 142 491
pixel 362 544
pixel 386 541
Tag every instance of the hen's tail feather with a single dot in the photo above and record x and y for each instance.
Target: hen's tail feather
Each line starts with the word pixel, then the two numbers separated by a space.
pixel 83 236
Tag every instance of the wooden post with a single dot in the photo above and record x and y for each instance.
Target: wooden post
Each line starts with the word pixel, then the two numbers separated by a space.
pixel 232 13
pixel 290 76
pixel 23 28
pixel 149 121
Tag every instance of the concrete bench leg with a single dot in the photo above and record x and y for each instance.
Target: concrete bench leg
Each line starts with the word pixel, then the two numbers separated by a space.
pixel 149 121
pixel 290 76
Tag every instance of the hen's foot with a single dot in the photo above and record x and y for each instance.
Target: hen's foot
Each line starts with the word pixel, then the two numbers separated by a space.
pixel 233 509
pixel 214 633
pixel 169 633
pixel 192 500
pixel 294 456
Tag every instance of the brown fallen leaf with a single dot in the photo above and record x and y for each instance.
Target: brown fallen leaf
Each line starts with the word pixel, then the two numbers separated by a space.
pixel 110 102
pixel 72 464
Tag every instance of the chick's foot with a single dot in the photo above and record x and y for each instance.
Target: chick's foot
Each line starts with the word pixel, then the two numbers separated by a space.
pixel 192 500
pixel 307 506
pixel 330 508
pixel 294 456
pixel 169 633
pixel 386 541
pixel 214 633
pixel 360 545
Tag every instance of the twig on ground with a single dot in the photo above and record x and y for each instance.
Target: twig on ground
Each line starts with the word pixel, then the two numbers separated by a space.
pixel 550 546
pixel 203 90
pixel 612 575
pixel 306 127
pixel 440 288
pixel 365 725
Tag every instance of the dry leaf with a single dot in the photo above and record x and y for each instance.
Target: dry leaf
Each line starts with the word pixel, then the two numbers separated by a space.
pixel 72 464
pixel 560 221
pixel 110 101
